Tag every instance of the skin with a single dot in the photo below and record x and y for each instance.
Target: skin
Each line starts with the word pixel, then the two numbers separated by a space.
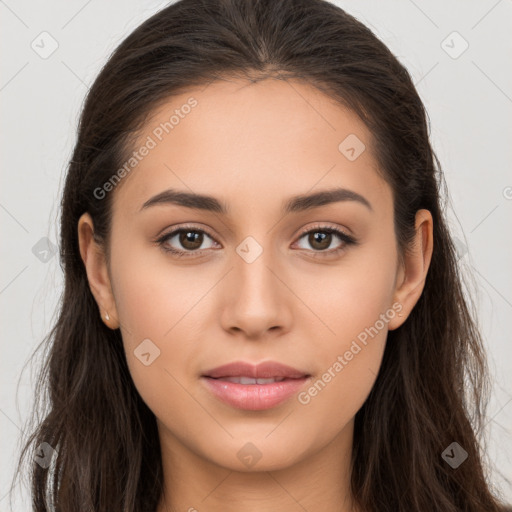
pixel 252 146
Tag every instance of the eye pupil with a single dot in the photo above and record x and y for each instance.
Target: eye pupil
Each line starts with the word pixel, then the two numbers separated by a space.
pixel 189 239
pixel 321 237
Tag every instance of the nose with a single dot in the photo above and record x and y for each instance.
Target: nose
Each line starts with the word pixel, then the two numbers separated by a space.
pixel 257 300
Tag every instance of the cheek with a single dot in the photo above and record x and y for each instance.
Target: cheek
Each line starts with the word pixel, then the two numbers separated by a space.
pixel 347 364
pixel 153 296
pixel 352 305
pixel 346 298
pixel 161 307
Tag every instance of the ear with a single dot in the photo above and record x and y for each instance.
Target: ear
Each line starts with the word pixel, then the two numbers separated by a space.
pixel 413 271
pixel 97 271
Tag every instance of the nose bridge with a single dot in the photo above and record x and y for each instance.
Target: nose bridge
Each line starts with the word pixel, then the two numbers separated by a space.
pixel 252 267
pixel 256 302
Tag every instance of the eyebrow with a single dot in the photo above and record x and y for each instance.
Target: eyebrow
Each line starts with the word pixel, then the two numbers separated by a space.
pixel 294 204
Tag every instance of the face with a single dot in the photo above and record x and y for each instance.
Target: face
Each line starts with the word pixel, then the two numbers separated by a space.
pixel 315 286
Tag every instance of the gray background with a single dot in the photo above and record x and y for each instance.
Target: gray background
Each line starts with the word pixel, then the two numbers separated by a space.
pixel 468 95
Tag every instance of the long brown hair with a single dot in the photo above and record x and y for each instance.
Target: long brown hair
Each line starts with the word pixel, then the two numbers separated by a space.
pixel 433 385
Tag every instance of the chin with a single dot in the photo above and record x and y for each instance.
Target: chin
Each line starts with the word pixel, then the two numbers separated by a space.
pixel 249 456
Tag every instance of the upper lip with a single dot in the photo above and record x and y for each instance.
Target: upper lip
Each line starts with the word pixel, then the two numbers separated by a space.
pixel 265 370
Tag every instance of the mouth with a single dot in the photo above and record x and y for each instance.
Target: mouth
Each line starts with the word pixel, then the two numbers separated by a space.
pixel 249 380
pixel 254 387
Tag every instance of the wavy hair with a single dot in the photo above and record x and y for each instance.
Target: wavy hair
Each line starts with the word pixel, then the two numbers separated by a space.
pixel 433 385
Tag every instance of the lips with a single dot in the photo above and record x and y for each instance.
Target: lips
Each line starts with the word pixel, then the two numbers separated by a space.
pixel 254 387
pixel 266 370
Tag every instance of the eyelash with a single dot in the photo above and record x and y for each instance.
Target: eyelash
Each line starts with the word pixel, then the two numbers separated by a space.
pixel 347 239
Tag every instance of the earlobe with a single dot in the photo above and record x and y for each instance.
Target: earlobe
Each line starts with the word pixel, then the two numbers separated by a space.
pixel 415 268
pixel 93 257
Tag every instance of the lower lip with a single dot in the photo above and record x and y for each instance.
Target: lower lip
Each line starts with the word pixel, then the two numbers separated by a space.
pixel 254 397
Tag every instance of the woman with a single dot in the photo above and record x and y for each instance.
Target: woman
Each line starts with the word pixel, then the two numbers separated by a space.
pixel 262 307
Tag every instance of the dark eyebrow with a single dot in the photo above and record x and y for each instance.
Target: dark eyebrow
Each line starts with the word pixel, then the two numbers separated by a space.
pixel 187 199
pixel 308 201
pixel 294 204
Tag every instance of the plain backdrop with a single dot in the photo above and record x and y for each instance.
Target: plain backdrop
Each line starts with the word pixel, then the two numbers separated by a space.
pixel 459 54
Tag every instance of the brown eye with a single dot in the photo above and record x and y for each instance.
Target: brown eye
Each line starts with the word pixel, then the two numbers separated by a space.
pixel 320 239
pixel 185 241
pixel 190 240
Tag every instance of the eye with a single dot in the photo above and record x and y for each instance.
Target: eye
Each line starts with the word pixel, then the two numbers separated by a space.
pixel 189 240
pixel 320 238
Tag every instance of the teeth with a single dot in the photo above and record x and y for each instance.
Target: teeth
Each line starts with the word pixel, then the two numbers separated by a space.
pixel 250 380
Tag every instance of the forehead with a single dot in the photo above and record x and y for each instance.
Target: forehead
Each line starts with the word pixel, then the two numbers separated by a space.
pixel 255 143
